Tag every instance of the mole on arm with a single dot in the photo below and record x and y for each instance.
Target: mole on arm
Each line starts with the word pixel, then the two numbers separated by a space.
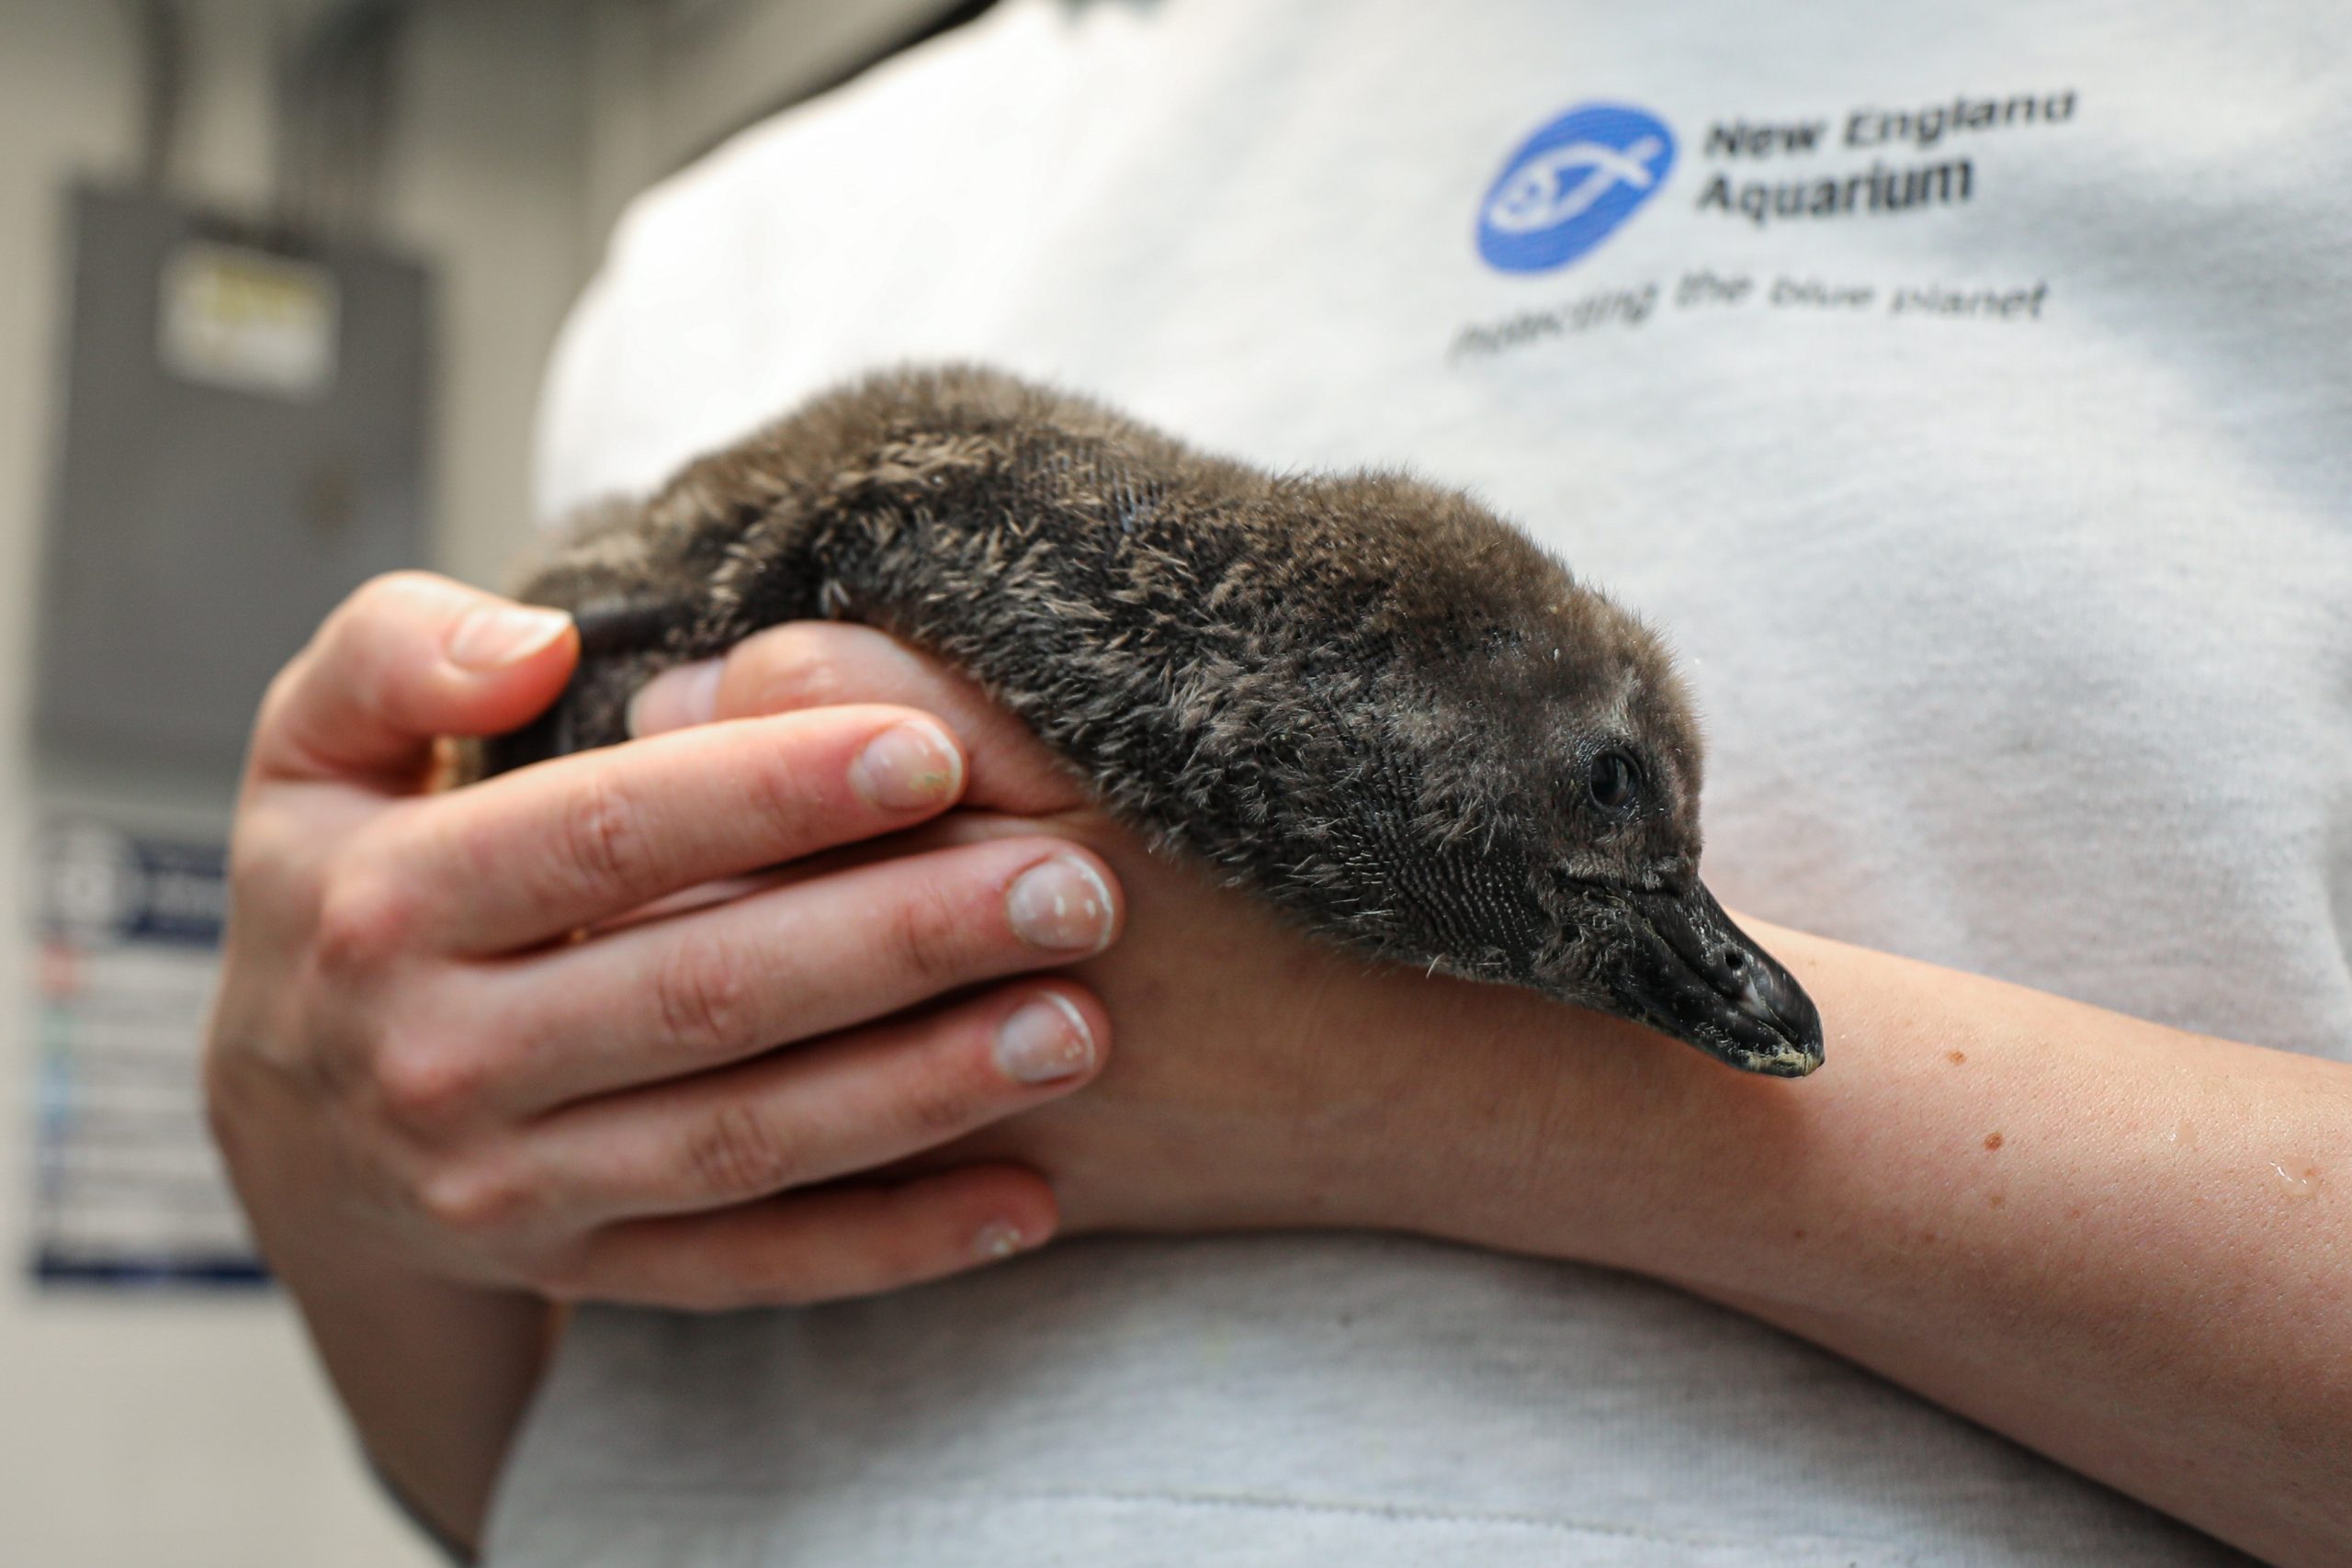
pixel 1362 698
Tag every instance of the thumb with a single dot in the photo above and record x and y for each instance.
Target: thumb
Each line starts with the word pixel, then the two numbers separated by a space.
pixel 408 658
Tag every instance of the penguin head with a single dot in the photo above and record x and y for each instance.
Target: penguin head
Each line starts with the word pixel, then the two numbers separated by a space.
pixel 1579 705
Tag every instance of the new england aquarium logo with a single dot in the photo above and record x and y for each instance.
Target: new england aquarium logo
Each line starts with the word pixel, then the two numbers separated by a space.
pixel 1569 185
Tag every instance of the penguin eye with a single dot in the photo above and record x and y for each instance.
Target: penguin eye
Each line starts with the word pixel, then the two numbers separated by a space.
pixel 1613 782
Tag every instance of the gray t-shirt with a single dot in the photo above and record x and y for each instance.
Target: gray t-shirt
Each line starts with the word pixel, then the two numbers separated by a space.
pixel 1965 390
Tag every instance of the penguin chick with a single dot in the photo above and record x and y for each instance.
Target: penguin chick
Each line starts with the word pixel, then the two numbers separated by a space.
pixel 1360 697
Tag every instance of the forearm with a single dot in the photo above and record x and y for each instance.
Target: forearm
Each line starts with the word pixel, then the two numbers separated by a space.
pixel 434 1376
pixel 2126 1246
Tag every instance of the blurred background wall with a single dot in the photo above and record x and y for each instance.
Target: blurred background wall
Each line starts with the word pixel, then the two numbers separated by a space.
pixel 167 1425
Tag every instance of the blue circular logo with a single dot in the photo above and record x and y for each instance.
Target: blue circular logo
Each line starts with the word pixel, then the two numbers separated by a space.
pixel 1570 184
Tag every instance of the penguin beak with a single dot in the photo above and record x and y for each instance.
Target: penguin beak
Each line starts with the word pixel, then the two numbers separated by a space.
pixel 1686 971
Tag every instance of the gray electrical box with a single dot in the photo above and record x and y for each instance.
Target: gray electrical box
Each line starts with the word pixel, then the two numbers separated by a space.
pixel 243 443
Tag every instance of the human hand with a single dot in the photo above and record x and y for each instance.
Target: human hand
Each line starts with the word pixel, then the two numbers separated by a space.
pixel 419 1066
pixel 1264 1079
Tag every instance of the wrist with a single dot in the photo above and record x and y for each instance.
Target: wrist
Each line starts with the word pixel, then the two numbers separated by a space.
pixel 1492 1117
pixel 435 1374
pixel 434 1370
pixel 1526 1126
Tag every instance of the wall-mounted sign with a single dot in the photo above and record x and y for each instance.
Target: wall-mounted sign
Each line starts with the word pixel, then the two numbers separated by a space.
pixel 127 1188
pixel 248 320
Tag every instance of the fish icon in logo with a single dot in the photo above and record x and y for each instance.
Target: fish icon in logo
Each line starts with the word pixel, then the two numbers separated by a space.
pixel 1567 187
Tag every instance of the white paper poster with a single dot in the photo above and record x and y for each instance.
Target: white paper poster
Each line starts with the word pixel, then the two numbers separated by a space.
pixel 249 321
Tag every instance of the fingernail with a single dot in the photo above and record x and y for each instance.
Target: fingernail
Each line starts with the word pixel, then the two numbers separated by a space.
pixel 1044 1039
pixel 497 636
pixel 998 1239
pixel 912 763
pixel 682 696
pixel 1062 904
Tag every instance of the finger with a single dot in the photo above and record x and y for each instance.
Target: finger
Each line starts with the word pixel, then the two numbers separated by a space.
pixel 664 998
pixel 811 664
pixel 850 1103
pixel 815 1247
pixel 548 850
pixel 407 658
